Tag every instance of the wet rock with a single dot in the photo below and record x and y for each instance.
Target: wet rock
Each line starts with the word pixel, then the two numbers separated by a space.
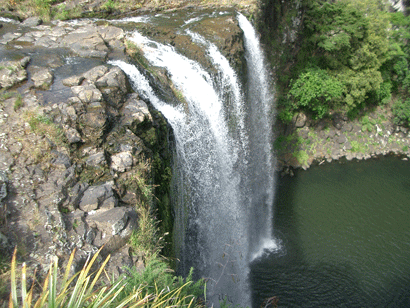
pixel 8 37
pixel 98 197
pixel 42 78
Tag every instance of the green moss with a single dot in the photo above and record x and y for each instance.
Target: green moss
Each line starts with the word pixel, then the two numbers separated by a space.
pixel 302 157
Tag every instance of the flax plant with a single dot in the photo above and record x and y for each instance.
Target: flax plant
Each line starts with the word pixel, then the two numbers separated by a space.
pixel 73 294
pixel 82 290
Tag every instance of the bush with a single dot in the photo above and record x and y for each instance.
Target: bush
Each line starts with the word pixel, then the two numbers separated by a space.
pixel 401 112
pixel 316 91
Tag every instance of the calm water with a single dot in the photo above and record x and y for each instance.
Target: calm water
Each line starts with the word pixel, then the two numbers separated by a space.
pixel 344 229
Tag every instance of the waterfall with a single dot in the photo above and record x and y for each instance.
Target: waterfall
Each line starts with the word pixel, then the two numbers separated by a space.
pixel 261 165
pixel 223 170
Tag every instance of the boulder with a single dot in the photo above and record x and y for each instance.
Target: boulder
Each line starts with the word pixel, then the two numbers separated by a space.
pixel 93 124
pixel 96 72
pixel 341 139
pixel 73 81
pixel 98 197
pixel 96 160
pixel 42 78
pixel 122 161
pixel 114 86
pixel 87 93
pixel 111 34
pixel 72 135
pixel 12 73
pixel 134 112
pixel 110 222
pixel 86 42
pixel 74 195
pixel 32 22
pixel 300 120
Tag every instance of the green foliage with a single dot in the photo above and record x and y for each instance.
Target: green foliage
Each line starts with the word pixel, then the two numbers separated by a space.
pixel 42 8
pixel 86 288
pixel 340 62
pixel 316 91
pixel 158 277
pixel 18 103
pixel 43 125
pixel 401 112
pixel 146 238
pixel 367 124
pixel 302 157
pixel 109 5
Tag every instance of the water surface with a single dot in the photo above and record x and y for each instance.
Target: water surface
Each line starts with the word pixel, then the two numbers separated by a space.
pixel 345 236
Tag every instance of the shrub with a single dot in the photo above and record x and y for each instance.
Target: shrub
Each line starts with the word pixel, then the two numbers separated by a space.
pixel 401 112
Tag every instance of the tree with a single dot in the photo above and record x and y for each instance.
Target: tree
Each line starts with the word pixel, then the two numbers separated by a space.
pixel 347 41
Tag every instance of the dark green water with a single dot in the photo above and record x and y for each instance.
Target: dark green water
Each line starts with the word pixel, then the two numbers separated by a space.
pixel 344 229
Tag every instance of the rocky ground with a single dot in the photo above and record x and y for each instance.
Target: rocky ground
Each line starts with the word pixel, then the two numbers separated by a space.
pixel 305 141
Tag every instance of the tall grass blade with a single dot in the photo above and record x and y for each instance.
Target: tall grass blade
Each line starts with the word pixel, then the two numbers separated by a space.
pixel 24 285
pixel 13 296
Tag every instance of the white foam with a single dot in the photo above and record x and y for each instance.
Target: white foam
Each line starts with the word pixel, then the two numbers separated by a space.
pixel 267 246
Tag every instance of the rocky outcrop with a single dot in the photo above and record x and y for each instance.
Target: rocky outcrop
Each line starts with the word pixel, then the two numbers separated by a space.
pixel 67 164
pixel 83 38
pixel 305 141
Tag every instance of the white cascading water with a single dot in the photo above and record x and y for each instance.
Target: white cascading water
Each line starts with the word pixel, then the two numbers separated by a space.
pixel 223 169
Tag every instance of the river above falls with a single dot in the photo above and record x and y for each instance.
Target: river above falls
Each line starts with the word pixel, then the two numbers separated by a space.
pixel 345 238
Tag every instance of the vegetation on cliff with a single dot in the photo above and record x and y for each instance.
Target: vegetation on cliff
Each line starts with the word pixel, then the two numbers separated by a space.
pixel 349 55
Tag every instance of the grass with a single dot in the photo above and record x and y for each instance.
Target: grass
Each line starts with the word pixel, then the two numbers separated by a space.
pixel 154 287
pixel 302 157
pixel 18 103
pixel 42 125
